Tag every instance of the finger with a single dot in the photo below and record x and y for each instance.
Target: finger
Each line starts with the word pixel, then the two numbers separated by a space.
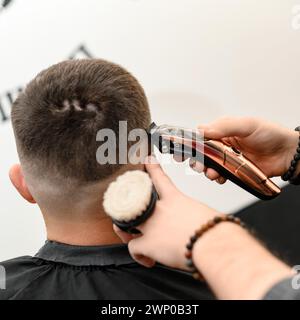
pixel 135 251
pixel 143 260
pixel 212 174
pixel 161 181
pixel 124 236
pixel 221 180
pixel 229 126
pixel 150 160
pixel 196 165
pixel 227 141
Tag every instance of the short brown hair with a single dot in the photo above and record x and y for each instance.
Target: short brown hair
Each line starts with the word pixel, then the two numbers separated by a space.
pixel 57 117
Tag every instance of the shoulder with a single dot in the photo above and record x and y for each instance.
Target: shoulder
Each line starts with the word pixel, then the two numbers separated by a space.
pixel 17 260
pixel 19 265
pixel 18 273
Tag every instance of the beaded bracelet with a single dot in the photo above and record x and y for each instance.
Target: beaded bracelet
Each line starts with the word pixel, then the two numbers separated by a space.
pixel 288 176
pixel 199 233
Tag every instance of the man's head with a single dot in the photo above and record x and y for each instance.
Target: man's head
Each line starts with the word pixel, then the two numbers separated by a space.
pixel 55 122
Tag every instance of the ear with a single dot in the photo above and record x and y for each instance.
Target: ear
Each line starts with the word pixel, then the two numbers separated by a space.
pixel 17 179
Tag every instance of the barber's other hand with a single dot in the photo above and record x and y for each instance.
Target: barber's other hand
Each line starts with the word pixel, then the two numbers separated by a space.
pixel 270 146
pixel 166 233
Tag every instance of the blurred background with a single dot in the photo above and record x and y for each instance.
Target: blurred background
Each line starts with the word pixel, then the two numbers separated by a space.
pixel 197 60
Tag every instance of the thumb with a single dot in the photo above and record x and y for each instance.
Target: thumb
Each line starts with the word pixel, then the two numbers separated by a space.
pixel 124 236
pixel 162 183
pixel 230 127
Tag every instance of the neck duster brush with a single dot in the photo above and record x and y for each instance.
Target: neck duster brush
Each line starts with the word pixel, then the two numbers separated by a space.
pixel 130 200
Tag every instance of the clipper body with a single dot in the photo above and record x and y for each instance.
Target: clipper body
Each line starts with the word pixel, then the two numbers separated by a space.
pixel 226 160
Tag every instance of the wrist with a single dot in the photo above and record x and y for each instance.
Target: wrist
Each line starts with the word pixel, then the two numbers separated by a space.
pixel 199 233
pixel 211 240
pixel 235 265
pixel 209 250
pixel 201 217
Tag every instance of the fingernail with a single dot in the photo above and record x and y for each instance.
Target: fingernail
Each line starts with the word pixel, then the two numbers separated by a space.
pixel 192 163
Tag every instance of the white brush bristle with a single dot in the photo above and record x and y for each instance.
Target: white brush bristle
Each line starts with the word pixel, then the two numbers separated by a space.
pixel 128 196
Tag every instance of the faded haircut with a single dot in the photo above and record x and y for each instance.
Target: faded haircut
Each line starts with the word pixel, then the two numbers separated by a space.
pixel 57 117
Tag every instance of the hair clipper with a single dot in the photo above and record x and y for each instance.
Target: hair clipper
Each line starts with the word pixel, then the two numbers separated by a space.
pixel 225 159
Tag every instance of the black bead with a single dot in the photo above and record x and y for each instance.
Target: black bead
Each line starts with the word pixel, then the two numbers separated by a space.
pixel 193 269
pixel 217 219
pixel 292 169
pixel 286 176
pixel 297 128
pixel 189 246
pixel 194 239
pixel 297 157
pixel 298 150
pixel 189 263
pixel 294 163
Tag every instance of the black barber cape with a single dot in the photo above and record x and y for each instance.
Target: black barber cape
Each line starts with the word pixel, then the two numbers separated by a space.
pixel 60 271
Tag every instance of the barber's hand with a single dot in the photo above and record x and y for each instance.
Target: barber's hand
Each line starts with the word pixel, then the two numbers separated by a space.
pixel 270 146
pixel 166 233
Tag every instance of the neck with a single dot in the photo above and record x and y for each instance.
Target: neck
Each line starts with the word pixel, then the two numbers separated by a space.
pixel 91 231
